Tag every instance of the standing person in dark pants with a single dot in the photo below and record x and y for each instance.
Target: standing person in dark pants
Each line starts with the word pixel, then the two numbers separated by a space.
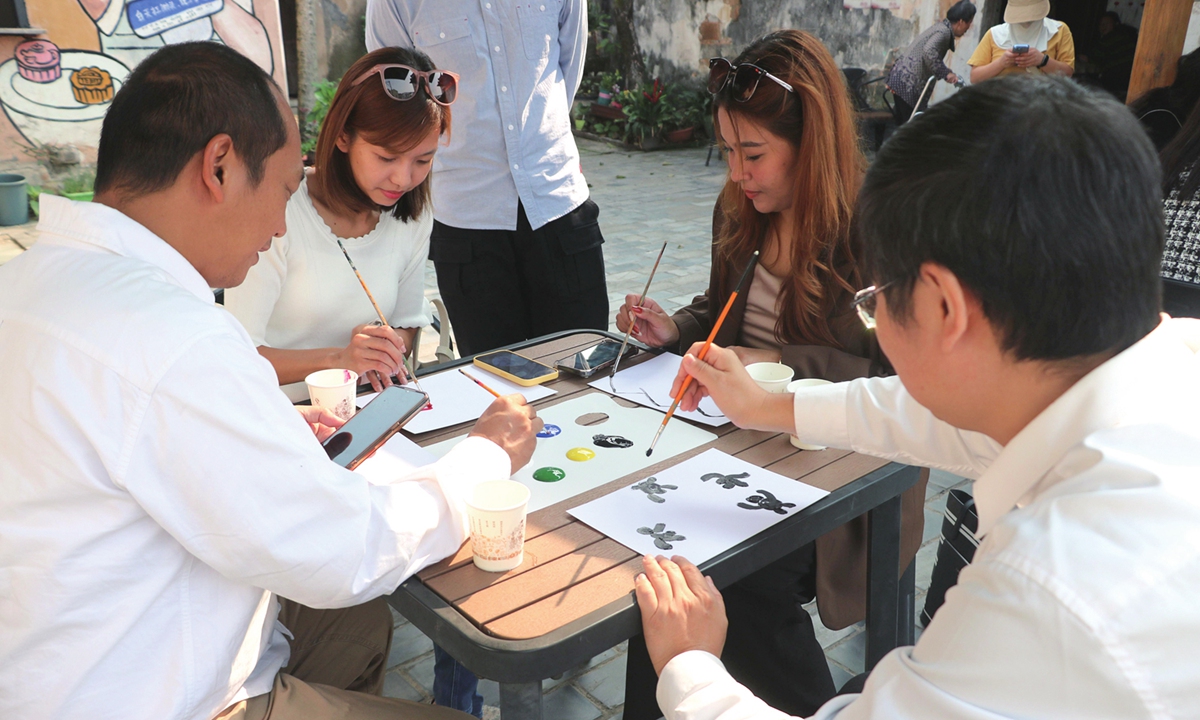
pixel 925 59
pixel 515 241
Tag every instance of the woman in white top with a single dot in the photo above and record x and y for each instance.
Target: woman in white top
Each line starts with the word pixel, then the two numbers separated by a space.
pixel 302 304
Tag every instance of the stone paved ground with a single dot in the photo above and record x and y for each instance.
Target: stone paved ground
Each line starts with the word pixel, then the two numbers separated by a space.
pixel 644 199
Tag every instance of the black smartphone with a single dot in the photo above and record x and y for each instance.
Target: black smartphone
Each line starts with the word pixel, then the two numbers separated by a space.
pixel 1020 49
pixel 516 368
pixel 589 361
pixel 373 425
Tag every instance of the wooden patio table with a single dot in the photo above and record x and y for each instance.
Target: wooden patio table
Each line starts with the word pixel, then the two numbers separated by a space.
pixel 572 597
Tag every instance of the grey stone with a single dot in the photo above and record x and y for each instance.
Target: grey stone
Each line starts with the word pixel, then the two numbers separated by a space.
pixel 606 682
pixel 565 703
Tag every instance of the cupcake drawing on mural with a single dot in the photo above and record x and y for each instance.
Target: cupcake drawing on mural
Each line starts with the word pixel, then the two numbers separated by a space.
pixel 38 61
pixel 91 85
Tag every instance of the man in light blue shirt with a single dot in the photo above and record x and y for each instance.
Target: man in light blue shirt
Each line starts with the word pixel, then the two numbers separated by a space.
pixel 515 241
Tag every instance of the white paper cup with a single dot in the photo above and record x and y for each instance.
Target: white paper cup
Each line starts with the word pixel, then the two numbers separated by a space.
pixel 333 390
pixel 496 511
pixel 792 387
pixel 772 377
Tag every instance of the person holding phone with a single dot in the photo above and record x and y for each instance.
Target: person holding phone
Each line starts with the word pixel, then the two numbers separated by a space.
pixel 1026 42
pixel 369 193
pixel 788 130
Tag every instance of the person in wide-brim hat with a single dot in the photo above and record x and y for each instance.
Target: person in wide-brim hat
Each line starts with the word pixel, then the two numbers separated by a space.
pixel 1026 42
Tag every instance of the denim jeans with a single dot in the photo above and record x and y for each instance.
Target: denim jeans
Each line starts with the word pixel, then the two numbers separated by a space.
pixel 454 686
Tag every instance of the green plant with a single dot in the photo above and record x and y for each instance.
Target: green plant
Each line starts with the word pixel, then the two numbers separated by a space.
pixel 600 24
pixel 686 108
pixel 80 182
pixel 611 82
pixel 323 97
pixel 646 112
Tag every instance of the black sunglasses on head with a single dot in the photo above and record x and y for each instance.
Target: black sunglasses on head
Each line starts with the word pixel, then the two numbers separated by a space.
pixel 744 78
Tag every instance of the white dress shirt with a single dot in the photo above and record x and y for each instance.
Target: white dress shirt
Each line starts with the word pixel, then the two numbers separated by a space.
pixel 520 63
pixel 303 294
pixel 1083 600
pixel 159 491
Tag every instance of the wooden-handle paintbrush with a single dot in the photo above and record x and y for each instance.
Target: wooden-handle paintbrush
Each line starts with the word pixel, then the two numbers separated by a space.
pixel 382 320
pixel 704 350
pixel 642 299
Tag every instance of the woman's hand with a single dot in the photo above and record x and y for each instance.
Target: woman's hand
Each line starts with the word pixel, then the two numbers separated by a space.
pixel 651 324
pixel 749 355
pixel 1008 59
pixel 321 421
pixel 1033 58
pixel 375 352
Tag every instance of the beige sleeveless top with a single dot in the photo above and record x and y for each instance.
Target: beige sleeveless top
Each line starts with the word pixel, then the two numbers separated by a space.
pixel 762 311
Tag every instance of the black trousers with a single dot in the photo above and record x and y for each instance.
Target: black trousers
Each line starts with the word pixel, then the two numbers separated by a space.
pixel 502 286
pixel 771 647
pixel 901 110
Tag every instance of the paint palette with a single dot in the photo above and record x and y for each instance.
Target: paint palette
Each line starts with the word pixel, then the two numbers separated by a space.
pixel 571 458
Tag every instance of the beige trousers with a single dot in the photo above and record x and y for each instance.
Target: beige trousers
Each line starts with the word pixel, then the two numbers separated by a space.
pixel 336 670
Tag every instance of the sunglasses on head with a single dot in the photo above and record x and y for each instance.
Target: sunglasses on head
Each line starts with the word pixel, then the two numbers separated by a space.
pixel 744 78
pixel 402 82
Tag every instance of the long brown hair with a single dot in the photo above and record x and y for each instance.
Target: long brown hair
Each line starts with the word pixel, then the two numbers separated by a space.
pixel 818 122
pixel 366 110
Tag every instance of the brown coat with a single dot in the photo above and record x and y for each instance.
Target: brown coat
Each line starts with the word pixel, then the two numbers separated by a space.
pixel 841 553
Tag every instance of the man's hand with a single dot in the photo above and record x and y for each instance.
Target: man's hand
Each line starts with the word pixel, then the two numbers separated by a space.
pixel 511 423
pixel 322 422
pixel 651 324
pixel 681 610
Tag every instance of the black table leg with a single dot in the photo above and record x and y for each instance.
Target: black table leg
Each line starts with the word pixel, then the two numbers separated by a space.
pixel 883 581
pixel 521 701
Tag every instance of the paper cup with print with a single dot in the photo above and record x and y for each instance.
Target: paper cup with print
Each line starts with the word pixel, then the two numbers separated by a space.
pixel 496 511
pixel 770 376
pixel 333 390
pixel 793 387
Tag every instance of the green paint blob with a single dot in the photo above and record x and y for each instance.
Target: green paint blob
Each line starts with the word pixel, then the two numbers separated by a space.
pixel 580 454
pixel 548 474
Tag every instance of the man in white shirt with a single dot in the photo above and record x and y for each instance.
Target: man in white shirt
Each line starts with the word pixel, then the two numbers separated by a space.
pixel 516 242
pixel 1015 232
pixel 160 494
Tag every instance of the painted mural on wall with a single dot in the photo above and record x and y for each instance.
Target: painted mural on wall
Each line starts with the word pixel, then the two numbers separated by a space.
pixel 55 89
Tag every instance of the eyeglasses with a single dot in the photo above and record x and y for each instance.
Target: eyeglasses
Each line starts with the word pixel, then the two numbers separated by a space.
pixel 745 78
pixel 402 82
pixel 865 301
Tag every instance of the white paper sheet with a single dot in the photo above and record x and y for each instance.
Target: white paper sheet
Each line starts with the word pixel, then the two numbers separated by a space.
pixel 699 518
pixel 457 400
pixel 563 434
pixel 649 384
pixel 394 459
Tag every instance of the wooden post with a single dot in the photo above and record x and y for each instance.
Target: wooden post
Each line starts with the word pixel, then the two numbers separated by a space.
pixel 1160 45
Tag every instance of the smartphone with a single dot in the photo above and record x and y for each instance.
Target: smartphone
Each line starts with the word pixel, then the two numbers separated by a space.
pixel 588 361
pixel 1020 49
pixel 374 425
pixel 516 368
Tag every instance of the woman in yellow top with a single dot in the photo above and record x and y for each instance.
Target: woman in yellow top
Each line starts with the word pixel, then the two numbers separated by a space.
pixel 1051 47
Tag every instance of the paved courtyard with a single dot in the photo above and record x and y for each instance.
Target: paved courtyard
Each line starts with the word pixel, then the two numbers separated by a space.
pixel 644 199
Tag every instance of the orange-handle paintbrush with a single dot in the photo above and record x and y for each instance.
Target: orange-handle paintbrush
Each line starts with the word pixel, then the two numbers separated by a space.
pixel 479 382
pixel 704 350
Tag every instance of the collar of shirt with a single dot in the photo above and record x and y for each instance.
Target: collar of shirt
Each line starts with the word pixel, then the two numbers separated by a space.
pixel 66 222
pixel 1002 35
pixel 1042 453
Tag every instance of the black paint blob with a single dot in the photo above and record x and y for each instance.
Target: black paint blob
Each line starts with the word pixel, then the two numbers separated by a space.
pixel 611 441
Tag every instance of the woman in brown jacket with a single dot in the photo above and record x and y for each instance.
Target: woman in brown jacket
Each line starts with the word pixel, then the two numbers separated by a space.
pixel 785 121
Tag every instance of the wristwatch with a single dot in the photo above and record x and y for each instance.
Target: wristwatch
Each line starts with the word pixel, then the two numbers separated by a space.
pixel 1045 59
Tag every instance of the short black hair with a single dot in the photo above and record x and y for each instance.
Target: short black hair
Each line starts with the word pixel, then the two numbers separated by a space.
pixel 1042 197
pixel 1112 15
pixel 173 104
pixel 961 10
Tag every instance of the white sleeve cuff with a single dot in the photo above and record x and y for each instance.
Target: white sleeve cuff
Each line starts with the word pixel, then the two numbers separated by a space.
pixel 474 460
pixel 683 674
pixel 821 415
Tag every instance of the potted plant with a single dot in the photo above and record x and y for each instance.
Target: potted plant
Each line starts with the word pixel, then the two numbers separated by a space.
pixel 610 85
pixel 688 110
pixel 647 114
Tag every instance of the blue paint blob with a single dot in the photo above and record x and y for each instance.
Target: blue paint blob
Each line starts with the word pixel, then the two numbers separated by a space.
pixel 549 431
